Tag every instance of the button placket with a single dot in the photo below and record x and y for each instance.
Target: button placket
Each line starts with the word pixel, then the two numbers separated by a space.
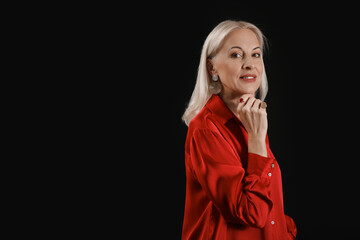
pixel 272 166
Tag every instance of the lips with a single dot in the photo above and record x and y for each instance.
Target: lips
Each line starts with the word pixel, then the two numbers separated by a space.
pixel 248 77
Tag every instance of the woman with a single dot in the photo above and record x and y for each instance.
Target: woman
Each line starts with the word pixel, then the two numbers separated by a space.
pixel 234 188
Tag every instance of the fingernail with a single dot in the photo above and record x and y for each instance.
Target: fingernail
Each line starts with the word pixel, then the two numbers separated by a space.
pixel 241 100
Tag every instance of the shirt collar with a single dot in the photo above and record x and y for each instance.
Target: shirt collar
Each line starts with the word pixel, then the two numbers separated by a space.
pixel 219 108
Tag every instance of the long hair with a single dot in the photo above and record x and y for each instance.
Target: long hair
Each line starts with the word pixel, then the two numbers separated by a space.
pixel 211 47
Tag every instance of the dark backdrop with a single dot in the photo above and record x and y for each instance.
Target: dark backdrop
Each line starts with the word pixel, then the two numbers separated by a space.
pixel 312 107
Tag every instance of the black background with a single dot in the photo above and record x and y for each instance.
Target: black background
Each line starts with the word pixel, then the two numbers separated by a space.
pixel 312 69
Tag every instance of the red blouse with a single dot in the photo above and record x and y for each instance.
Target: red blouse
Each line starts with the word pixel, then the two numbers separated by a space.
pixel 230 193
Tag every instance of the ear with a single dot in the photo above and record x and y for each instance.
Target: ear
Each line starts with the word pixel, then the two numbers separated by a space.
pixel 210 67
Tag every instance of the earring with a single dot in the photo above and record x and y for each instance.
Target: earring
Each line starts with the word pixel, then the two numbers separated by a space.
pixel 215 77
pixel 215 86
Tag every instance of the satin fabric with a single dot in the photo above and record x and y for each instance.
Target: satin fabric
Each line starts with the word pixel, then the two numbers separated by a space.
pixel 230 193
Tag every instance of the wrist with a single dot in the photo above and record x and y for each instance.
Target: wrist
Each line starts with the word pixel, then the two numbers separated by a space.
pixel 256 138
pixel 257 145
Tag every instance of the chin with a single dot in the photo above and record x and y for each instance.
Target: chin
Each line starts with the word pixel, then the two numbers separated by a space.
pixel 250 88
pixel 248 91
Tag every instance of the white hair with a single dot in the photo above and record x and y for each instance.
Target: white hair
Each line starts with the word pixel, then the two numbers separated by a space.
pixel 211 47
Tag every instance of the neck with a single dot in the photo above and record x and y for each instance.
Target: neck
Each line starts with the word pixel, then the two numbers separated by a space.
pixel 231 101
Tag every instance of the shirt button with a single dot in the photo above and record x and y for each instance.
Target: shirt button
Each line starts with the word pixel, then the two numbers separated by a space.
pixel 272 165
pixel 272 222
pixel 269 174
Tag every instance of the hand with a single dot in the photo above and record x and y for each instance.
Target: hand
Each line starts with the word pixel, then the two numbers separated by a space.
pixel 254 119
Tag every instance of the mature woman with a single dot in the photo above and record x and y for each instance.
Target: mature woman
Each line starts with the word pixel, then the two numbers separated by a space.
pixel 234 188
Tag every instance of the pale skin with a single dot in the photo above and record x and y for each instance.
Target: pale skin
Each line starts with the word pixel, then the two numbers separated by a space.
pixel 239 66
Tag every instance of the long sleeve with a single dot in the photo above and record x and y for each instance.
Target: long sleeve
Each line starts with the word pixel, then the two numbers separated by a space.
pixel 241 195
pixel 291 228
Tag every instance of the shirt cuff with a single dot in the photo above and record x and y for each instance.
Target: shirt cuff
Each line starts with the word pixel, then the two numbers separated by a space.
pixel 259 165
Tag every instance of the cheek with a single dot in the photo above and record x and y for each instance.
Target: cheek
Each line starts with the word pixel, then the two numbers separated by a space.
pixel 226 71
pixel 230 68
pixel 260 67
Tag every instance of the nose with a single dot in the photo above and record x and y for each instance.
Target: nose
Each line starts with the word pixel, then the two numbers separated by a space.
pixel 248 64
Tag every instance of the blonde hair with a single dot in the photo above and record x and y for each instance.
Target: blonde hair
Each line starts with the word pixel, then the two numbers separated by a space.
pixel 212 45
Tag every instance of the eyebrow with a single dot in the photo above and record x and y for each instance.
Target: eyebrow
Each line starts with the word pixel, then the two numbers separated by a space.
pixel 242 49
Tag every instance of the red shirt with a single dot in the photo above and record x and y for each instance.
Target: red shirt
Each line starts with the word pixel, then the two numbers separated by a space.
pixel 230 193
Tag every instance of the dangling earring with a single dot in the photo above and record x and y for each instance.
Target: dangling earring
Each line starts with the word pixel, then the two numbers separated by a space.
pixel 215 86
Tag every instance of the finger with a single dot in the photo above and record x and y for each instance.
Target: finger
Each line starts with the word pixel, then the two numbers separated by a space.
pixel 244 98
pixel 242 101
pixel 263 105
pixel 257 104
pixel 250 102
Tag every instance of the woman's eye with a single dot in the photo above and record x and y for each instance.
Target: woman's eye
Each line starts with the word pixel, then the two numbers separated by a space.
pixel 257 55
pixel 236 55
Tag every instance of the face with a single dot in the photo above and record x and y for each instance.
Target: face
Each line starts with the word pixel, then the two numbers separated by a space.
pixel 238 63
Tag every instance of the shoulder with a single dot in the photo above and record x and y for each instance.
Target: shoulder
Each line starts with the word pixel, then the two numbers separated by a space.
pixel 204 120
pixel 211 120
pixel 214 113
pixel 203 125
